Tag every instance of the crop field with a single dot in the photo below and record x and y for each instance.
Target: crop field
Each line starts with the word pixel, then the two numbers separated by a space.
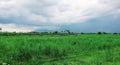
pixel 84 49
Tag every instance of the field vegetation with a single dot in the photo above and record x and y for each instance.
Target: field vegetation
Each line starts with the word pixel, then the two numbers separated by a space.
pixel 59 49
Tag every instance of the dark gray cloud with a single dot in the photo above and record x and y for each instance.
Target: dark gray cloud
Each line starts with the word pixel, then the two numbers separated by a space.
pixel 59 14
pixel 104 24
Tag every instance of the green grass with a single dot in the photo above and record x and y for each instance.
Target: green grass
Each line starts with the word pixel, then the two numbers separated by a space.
pixel 86 49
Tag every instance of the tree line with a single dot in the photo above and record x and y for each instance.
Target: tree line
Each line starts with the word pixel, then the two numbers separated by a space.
pixel 64 32
pixel 49 33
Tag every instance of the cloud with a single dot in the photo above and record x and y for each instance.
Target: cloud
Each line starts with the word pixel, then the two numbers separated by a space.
pixel 16 28
pixel 110 24
pixel 32 13
pixel 22 28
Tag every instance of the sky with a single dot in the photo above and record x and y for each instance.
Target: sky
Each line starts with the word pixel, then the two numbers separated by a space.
pixel 51 15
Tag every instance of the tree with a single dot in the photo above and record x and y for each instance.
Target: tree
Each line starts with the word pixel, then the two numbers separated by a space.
pixel 56 32
pixel 99 33
pixel 115 33
pixel 104 33
pixel 68 31
pixel 82 33
pixel 0 29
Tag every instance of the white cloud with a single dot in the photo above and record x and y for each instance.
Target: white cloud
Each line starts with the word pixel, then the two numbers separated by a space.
pixel 22 28
pixel 16 28
pixel 57 12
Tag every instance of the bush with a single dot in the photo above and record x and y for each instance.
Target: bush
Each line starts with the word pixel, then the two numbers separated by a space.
pixel 104 33
pixel 115 33
pixel 82 33
pixel 56 32
pixel 99 33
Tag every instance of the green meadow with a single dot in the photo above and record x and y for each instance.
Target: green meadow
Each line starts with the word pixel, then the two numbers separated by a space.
pixel 82 49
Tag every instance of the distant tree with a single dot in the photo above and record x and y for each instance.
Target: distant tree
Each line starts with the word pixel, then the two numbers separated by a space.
pixel 56 32
pixel 82 33
pixel 44 33
pixel 62 31
pixel 104 33
pixel 0 29
pixel 68 31
pixel 99 33
pixel 115 33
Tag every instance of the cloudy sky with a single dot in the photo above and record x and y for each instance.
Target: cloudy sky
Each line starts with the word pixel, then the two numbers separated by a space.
pixel 75 15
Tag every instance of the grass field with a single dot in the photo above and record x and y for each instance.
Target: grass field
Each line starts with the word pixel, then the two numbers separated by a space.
pixel 85 49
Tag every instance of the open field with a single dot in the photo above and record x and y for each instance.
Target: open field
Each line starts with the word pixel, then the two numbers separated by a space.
pixel 85 49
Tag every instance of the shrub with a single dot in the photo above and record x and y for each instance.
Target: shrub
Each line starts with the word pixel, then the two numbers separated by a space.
pixel 56 32
pixel 99 33
pixel 104 33
pixel 82 33
pixel 115 33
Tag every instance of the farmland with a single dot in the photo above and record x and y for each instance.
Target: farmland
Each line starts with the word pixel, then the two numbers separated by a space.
pixel 83 49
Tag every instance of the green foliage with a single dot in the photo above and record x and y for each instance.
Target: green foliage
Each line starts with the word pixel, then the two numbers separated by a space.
pixel 56 32
pixel 67 32
pixel 87 49
pixel 99 32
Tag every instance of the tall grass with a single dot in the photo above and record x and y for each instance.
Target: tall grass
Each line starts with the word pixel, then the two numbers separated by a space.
pixel 86 49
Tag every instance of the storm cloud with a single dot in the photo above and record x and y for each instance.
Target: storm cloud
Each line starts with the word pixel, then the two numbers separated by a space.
pixel 31 15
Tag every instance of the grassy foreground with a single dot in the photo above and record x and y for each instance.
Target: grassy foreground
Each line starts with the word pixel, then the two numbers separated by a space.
pixel 86 49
